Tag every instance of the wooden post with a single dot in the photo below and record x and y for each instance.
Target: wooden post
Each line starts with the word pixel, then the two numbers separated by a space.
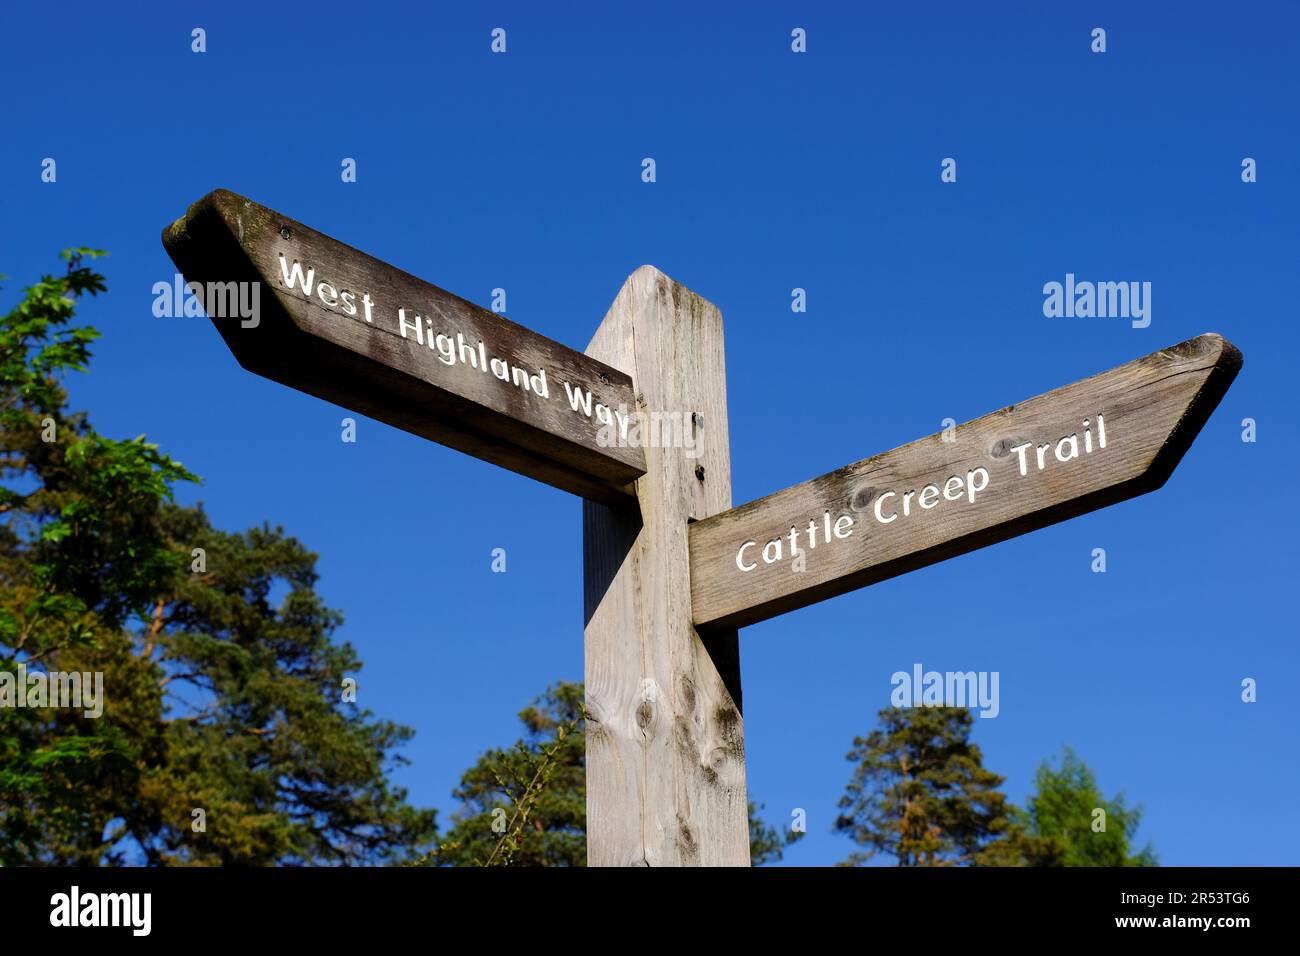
pixel 665 738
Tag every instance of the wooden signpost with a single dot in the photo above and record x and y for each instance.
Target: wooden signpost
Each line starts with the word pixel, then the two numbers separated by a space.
pixel 353 330
pixel 670 568
pixel 1082 447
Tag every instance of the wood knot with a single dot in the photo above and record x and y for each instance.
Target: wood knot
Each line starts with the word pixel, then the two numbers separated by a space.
pixel 1002 447
pixel 686 839
pixel 645 714
pixel 718 760
pixel 862 498
pixel 645 710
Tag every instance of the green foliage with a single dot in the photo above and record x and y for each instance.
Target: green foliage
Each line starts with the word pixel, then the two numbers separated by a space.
pixel 222 685
pixel 257 732
pixel 1062 816
pixel 36 344
pixel 526 805
pixel 920 792
pixel 84 535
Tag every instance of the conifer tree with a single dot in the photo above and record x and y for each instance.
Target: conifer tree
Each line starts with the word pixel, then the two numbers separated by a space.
pixel 920 792
pixel 224 737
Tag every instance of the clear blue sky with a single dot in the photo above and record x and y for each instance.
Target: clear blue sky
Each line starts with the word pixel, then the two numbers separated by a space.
pixel 775 170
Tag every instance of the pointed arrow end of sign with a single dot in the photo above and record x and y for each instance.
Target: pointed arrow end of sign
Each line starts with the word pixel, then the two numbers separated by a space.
pixel 1226 355
pixel 1201 369
pixel 176 234
pixel 209 244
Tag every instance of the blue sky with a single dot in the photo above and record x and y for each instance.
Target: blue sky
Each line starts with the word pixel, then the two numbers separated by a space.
pixel 775 171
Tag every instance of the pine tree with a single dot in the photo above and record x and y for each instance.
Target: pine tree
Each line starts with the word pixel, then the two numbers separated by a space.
pixel 920 792
pixel 224 736
pixel 526 805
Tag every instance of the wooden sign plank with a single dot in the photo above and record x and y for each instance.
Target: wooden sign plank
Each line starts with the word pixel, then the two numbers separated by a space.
pixel 344 326
pixel 1094 443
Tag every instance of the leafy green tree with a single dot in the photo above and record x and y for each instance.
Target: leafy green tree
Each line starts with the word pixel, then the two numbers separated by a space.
pixel 920 792
pixel 224 737
pixel 526 805
pixel 1062 818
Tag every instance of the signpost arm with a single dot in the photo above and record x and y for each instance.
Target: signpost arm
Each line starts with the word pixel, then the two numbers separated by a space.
pixel 665 738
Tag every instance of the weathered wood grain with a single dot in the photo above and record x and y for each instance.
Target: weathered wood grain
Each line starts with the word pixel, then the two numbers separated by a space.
pixel 372 368
pixel 665 738
pixel 1151 409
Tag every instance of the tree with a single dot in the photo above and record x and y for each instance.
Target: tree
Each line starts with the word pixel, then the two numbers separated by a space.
pixel 1063 816
pixel 224 736
pixel 526 805
pixel 920 792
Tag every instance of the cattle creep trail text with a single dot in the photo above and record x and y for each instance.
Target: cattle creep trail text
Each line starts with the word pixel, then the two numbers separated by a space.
pixel 890 505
